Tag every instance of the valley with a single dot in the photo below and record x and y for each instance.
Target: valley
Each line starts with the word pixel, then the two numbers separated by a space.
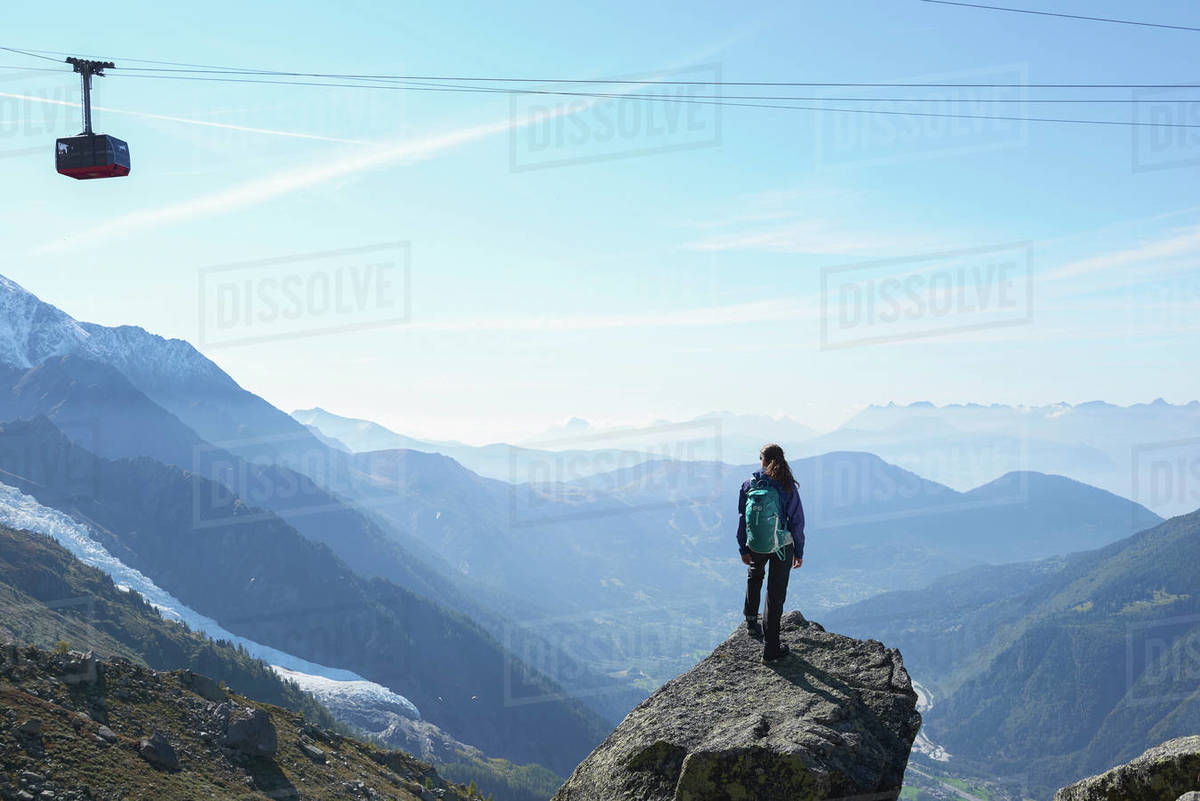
pixel 363 566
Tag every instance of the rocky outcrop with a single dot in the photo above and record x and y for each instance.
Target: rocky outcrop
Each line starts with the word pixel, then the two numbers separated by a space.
pixel 203 686
pixel 82 668
pixel 1164 773
pixel 246 730
pixel 137 733
pixel 158 751
pixel 251 732
pixel 426 741
pixel 834 719
pixel 311 751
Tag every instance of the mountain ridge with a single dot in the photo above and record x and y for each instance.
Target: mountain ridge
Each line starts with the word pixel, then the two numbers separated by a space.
pixel 1055 670
pixel 78 728
pixel 206 424
pixel 257 577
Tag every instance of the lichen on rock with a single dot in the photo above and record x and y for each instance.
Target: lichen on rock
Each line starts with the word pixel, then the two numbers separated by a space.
pixel 1163 773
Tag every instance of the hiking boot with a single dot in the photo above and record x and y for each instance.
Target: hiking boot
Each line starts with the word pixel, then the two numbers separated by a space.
pixel 754 628
pixel 771 654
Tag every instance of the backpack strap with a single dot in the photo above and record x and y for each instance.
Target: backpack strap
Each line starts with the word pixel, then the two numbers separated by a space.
pixel 783 502
pixel 773 484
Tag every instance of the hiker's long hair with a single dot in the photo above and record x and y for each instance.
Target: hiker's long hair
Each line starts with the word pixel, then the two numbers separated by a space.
pixel 776 467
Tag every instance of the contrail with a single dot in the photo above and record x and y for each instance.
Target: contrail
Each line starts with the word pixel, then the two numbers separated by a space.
pixel 260 190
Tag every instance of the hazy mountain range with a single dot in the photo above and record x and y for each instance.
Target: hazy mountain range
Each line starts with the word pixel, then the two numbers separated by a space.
pixel 648 553
pixel 1148 452
pixel 1052 670
pixel 522 597
pixel 576 449
pixel 198 518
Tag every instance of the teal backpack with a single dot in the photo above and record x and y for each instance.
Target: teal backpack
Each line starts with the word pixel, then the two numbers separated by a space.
pixel 766 529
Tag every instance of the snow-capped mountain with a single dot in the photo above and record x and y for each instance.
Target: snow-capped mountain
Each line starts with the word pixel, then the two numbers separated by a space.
pixel 32 331
pixel 205 431
pixel 151 361
pixel 334 687
pixel 170 372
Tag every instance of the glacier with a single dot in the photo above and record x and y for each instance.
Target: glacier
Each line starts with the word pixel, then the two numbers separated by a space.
pixel 333 686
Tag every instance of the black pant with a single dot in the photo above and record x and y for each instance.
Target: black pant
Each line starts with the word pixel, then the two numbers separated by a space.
pixel 777 582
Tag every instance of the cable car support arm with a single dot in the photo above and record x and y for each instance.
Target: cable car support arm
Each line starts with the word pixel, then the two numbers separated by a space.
pixel 86 69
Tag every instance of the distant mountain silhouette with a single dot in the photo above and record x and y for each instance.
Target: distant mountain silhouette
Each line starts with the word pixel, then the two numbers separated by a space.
pixel 1124 449
pixel 587 449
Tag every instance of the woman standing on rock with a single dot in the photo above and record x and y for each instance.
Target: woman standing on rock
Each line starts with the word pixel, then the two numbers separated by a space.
pixel 770 529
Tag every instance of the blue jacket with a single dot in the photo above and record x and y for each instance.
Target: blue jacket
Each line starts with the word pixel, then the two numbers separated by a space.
pixel 792 509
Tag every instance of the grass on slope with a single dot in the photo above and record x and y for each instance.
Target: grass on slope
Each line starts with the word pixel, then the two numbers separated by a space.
pixel 503 780
pixel 47 596
pixel 70 756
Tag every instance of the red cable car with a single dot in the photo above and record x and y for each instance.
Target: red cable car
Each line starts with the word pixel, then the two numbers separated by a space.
pixel 91 155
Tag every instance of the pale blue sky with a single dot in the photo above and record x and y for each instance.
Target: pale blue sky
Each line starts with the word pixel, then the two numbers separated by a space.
pixel 646 285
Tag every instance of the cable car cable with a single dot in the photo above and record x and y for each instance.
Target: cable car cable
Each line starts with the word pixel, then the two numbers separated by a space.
pixel 409 83
pixel 491 90
pixel 630 82
pixel 28 69
pixel 412 86
pixel 715 102
pixel 30 53
pixel 205 69
pixel 1064 16
pixel 809 98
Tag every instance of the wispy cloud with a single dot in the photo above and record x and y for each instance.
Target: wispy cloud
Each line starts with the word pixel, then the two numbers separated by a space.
pixel 810 220
pixel 817 237
pixel 1180 244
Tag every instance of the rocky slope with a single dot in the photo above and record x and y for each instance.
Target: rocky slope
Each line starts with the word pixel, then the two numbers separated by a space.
pixel 1164 773
pixel 49 596
pixel 76 728
pixel 260 579
pixel 835 718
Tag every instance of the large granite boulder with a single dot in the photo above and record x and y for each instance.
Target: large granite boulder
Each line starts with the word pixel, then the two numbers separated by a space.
pixel 834 719
pixel 1164 773
pixel 251 732
pixel 246 730
pixel 203 686
pixel 158 751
